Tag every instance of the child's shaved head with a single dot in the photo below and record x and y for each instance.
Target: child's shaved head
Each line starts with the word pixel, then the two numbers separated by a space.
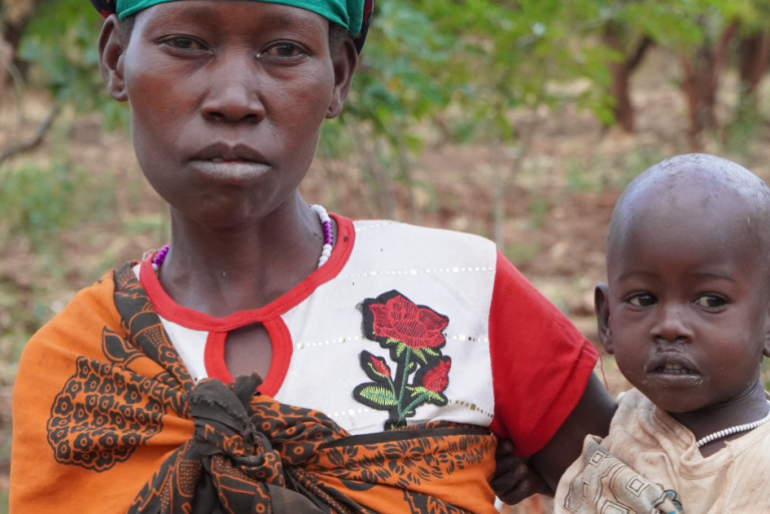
pixel 686 310
pixel 714 189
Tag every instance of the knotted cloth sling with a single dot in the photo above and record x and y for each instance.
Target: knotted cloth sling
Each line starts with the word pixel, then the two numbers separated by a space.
pixel 354 15
pixel 113 423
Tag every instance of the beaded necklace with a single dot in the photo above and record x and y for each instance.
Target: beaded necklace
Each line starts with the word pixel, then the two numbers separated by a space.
pixel 732 430
pixel 326 252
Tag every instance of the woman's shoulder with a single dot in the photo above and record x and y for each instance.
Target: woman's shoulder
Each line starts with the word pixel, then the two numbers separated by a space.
pixel 79 326
pixel 411 240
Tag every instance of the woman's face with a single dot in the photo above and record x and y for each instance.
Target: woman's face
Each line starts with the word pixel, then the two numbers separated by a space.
pixel 227 101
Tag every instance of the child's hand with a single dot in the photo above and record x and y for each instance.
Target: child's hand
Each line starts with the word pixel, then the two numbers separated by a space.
pixel 513 480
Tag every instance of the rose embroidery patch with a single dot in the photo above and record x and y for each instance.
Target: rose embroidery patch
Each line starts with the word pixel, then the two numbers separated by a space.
pixel 414 334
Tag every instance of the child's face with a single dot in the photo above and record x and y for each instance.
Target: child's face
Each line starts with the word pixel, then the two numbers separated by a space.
pixel 686 312
pixel 227 100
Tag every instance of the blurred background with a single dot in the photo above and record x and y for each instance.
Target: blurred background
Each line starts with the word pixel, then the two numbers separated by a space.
pixel 520 120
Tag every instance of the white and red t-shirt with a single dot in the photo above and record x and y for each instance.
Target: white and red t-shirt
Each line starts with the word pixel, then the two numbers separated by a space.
pixel 405 324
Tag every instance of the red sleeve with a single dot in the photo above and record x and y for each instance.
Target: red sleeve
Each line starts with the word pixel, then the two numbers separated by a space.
pixel 540 362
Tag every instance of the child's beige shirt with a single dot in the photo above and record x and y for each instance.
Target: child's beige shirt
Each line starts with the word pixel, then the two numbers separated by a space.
pixel 665 464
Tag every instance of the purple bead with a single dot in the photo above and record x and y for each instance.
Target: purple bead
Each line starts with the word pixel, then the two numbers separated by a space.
pixel 160 256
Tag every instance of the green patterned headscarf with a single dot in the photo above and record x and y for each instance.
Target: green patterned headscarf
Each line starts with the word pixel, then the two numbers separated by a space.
pixel 354 15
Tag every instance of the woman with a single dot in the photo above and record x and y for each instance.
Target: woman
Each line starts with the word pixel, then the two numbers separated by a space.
pixel 389 352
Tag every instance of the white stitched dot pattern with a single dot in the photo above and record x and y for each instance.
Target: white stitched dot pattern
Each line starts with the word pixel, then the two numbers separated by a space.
pixel 414 272
pixel 326 342
pixel 360 227
pixel 341 340
pixel 473 407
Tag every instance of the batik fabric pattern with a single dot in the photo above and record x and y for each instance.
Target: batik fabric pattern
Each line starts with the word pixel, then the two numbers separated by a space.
pixel 128 430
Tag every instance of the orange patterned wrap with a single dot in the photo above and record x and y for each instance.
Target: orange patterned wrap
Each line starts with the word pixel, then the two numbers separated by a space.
pixel 107 420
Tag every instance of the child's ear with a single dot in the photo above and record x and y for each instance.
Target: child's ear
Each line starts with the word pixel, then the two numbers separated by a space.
pixel 602 306
pixel 112 44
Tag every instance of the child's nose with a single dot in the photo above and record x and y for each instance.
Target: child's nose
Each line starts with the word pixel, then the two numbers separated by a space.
pixel 671 326
pixel 233 96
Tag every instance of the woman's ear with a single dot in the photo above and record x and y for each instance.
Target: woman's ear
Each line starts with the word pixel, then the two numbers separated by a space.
pixel 345 59
pixel 602 306
pixel 112 50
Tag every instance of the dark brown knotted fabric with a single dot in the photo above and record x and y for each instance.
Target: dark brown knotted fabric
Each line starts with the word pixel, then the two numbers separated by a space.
pixel 129 431
pixel 230 465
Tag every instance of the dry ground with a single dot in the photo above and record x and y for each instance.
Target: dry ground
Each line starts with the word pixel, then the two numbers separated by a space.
pixel 558 201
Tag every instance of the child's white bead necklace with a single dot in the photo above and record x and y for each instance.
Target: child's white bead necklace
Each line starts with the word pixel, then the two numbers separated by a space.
pixel 732 430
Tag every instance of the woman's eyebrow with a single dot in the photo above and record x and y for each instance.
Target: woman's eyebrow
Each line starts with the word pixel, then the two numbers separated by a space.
pixel 210 15
pixel 205 14
pixel 285 20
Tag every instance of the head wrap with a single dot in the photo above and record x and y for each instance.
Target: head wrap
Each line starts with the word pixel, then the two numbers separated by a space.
pixel 354 15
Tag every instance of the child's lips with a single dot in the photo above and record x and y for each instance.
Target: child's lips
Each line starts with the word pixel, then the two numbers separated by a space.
pixel 673 370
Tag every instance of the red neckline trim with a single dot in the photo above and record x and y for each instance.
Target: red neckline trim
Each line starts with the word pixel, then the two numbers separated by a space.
pixel 166 307
pixel 280 337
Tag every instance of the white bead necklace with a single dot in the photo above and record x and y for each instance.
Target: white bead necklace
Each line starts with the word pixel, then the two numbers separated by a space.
pixel 326 223
pixel 732 430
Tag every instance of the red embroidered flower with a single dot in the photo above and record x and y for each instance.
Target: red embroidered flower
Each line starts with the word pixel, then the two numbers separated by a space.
pixel 401 319
pixel 436 379
pixel 380 366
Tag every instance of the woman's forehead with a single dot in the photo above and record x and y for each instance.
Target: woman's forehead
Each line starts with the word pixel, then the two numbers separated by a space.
pixel 255 18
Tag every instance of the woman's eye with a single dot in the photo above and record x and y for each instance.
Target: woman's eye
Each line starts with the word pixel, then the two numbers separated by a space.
pixel 184 43
pixel 642 300
pixel 284 50
pixel 710 301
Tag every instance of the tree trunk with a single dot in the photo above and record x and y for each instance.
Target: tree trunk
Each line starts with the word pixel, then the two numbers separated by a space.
pixel 6 56
pixel 753 55
pixel 701 83
pixel 620 89
pixel 16 15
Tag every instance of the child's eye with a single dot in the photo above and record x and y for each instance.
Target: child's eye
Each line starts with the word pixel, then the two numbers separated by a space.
pixel 642 300
pixel 284 50
pixel 710 301
pixel 184 43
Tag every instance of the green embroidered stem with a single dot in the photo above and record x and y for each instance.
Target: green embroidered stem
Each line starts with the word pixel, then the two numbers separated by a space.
pixel 404 379
pixel 414 404
pixel 392 387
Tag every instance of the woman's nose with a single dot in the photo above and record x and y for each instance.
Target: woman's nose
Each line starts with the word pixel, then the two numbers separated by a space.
pixel 234 95
pixel 672 326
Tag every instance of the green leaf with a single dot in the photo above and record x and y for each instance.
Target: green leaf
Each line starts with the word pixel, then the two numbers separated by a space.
pixel 431 351
pixel 420 355
pixel 379 395
pixel 430 394
pixel 400 349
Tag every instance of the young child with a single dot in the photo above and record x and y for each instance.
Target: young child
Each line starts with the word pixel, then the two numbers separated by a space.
pixel 686 313
pixel 360 329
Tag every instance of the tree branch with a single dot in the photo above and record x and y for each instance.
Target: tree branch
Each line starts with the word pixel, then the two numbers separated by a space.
pixel 641 49
pixel 33 142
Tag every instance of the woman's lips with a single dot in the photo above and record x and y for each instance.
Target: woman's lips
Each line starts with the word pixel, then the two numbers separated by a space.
pixel 235 171
pixel 231 163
